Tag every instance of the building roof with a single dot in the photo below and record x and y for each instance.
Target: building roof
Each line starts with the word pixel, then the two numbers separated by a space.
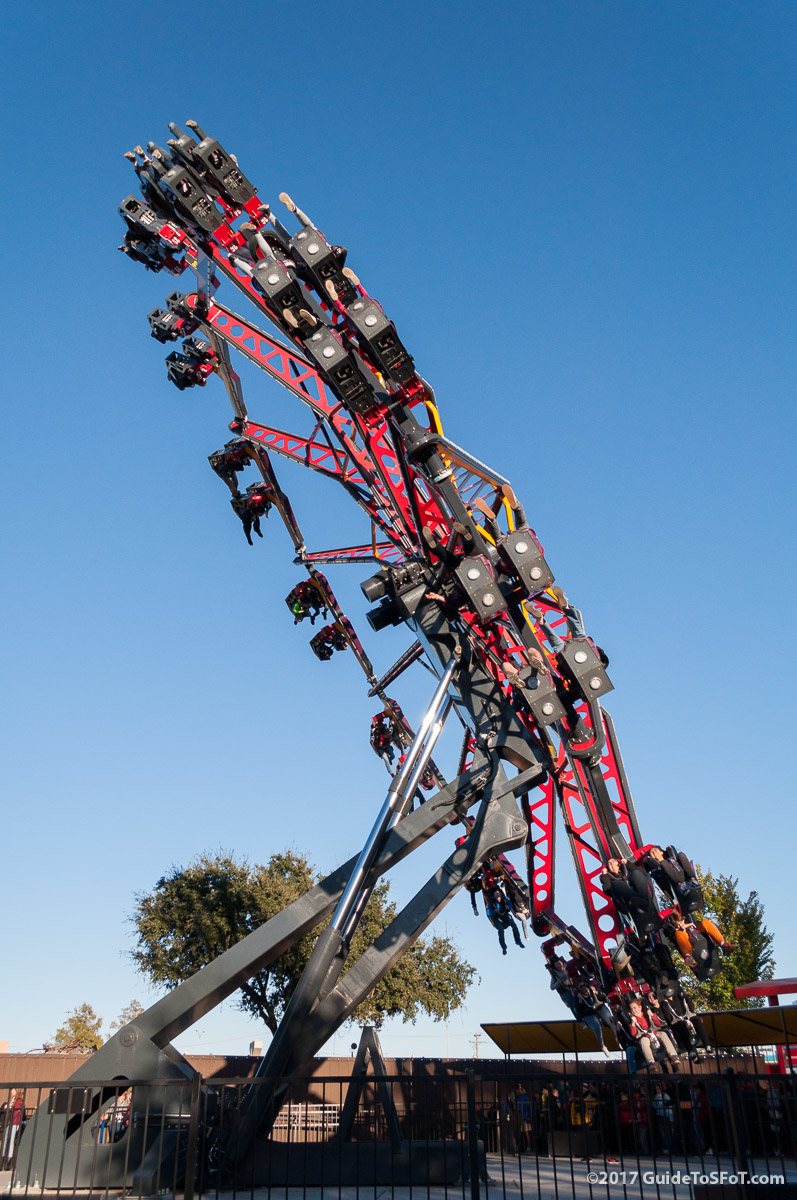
pixel 765 987
pixel 740 1027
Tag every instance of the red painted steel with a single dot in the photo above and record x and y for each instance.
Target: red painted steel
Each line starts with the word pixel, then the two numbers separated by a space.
pixel 539 810
pixel 379 552
pixel 765 987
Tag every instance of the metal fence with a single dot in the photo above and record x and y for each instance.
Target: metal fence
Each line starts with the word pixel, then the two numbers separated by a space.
pixel 470 1134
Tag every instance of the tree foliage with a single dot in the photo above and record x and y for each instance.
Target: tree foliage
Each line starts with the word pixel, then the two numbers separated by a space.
pixel 80 1030
pixel 195 913
pixel 742 924
pixel 128 1014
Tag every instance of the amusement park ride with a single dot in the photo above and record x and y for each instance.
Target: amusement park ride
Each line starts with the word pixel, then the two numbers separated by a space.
pixel 454 559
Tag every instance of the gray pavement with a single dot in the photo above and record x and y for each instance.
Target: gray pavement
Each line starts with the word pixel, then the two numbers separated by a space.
pixel 524 1178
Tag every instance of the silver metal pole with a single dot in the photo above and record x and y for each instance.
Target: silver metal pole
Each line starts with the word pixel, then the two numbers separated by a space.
pixel 395 794
pixel 399 811
pixel 420 766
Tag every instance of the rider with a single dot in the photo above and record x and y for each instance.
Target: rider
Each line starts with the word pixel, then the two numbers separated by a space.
pixel 675 875
pixel 647 1029
pixel 499 912
pixel 593 1012
pixel 628 887
pixel 696 941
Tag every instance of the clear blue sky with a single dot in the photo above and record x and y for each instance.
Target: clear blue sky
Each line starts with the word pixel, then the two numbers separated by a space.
pixel 580 216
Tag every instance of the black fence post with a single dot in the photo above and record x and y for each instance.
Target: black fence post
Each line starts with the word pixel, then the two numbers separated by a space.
pixel 473 1135
pixel 193 1139
pixel 736 1123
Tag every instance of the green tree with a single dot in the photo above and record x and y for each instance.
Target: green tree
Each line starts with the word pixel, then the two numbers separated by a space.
pixel 128 1014
pixel 194 913
pixel 80 1030
pixel 742 924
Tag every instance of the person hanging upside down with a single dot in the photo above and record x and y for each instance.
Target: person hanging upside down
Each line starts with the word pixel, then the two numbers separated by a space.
pixel 499 914
pixel 474 888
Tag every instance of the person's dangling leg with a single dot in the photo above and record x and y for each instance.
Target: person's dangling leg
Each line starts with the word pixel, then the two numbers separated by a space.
pixel 708 927
pixel 667 1043
pixel 551 636
pixel 647 1053
pixel 575 621
pixel 683 943
pixel 592 1022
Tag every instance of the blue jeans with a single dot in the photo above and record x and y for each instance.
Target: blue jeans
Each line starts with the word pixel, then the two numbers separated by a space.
pixel 592 1022
pixel 575 626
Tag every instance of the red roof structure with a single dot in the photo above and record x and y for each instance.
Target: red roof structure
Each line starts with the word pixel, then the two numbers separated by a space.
pixel 771 988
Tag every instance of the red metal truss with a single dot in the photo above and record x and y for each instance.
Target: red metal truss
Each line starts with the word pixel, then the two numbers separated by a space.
pixel 378 465
pixel 272 356
pixel 539 810
pixel 327 460
pixel 294 372
pixel 586 828
pixel 320 456
pixel 580 826
pixel 372 552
